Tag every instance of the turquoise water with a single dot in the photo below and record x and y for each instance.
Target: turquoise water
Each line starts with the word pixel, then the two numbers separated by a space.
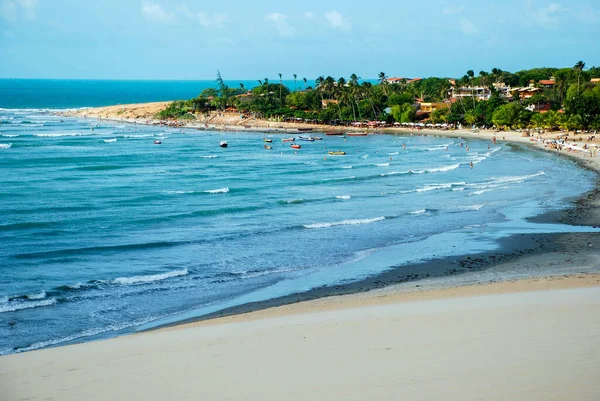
pixel 103 231
pixel 62 94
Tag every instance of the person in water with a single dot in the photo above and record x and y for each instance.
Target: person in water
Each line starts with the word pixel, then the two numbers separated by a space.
pixel 471 164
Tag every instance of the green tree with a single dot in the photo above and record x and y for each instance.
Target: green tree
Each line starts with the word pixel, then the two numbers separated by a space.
pixel 403 113
pixel 507 115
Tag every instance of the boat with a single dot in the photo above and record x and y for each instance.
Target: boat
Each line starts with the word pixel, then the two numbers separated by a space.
pixel 336 153
pixel 288 139
pixel 317 138
pixel 157 142
pixel 267 140
pixel 334 133
pixel 305 129
pixel 294 146
pixel 223 144
pixel 268 147
pixel 306 138
pixel 357 134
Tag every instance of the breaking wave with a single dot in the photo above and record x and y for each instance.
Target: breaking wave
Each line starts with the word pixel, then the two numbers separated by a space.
pixel 344 223
pixel 150 278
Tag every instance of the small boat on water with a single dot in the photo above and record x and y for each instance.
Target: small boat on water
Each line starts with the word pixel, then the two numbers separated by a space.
pixel 306 138
pixel 317 138
pixel 334 133
pixel 357 134
pixel 288 139
pixel 157 142
pixel 267 140
pixel 268 147
pixel 336 153
pixel 294 146
pixel 223 144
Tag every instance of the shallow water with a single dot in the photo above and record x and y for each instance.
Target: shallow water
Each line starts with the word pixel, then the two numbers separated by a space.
pixel 102 231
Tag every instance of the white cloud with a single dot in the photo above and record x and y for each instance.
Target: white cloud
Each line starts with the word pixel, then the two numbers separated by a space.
pixel 467 27
pixel 337 20
pixel 208 21
pixel 281 24
pixel 546 17
pixel 212 21
pixel 17 9
pixel 452 9
pixel 155 12
pixel 309 15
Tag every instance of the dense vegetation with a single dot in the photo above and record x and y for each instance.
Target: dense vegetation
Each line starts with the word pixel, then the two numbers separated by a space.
pixel 573 100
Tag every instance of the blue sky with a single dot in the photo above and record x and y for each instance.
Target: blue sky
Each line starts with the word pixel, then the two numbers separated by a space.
pixel 159 39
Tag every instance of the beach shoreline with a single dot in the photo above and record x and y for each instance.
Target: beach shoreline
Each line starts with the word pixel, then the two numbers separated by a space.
pixel 585 211
pixel 367 345
pixel 479 326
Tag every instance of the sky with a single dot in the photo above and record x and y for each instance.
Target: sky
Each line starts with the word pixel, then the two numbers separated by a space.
pixel 188 40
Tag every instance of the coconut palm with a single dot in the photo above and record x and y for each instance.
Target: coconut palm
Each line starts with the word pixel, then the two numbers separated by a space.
pixel 304 86
pixel 295 76
pixel 579 66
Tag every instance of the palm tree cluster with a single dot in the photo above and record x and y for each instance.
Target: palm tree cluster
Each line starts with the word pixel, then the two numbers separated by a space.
pixel 573 100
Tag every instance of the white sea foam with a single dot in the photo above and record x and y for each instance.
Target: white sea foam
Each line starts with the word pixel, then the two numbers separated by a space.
pixel 179 192
pixel 458 189
pixel 394 173
pixel 443 168
pixel 9 135
pixel 39 295
pixel 483 191
pixel 60 134
pixel 15 306
pixel 383 165
pixel 85 333
pixel 393 153
pixel 150 278
pixel 421 211
pixel 138 136
pixel 110 140
pixel 209 157
pixel 347 167
pixel 364 157
pixel 5 145
pixel 344 223
pixel 470 207
pixel 518 178
pixel 344 197
pixel 217 191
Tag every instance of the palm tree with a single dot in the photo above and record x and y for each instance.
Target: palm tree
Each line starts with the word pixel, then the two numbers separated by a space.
pixel 383 81
pixel 579 66
pixel 295 76
pixel 280 86
pixel 538 120
pixel 242 86
pixel 304 86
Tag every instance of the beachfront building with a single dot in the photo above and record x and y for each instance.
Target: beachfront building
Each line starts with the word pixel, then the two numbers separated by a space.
pixel 479 92
pixel 396 80
pixel 327 102
pixel 430 107
pixel 525 92
pixel 547 83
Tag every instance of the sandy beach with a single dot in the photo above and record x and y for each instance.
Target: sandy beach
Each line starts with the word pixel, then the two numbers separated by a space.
pixel 533 339
pixel 478 333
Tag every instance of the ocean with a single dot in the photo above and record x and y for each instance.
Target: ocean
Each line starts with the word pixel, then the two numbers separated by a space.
pixel 103 232
pixel 65 94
